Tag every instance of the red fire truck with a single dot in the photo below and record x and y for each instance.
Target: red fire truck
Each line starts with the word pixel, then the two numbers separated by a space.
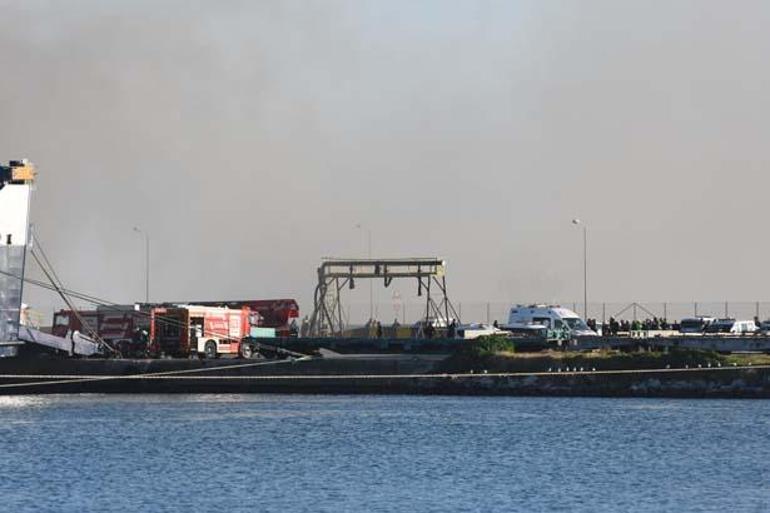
pixel 275 313
pixel 124 326
pixel 186 330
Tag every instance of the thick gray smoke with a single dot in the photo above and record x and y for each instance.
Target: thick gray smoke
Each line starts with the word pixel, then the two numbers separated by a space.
pixel 250 138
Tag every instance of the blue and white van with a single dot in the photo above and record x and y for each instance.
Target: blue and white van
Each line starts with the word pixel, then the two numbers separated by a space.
pixel 546 318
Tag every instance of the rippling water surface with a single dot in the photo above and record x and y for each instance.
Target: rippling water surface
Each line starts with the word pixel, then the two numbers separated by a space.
pixel 233 453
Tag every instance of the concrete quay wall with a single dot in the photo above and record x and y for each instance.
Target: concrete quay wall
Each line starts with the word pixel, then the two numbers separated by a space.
pixel 383 376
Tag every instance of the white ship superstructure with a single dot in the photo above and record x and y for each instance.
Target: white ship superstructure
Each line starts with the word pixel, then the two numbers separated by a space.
pixel 16 181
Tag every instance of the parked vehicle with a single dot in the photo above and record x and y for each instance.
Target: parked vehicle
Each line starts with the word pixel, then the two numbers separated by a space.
pixel 764 327
pixel 695 324
pixel 194 330
pixel 731 327
pixel 435 322
pixel 432 327
pixel 125 327
pixel 280 314
pixel 539 318
pixel 471 331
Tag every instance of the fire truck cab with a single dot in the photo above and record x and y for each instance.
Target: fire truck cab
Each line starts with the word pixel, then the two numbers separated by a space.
pixel 194 330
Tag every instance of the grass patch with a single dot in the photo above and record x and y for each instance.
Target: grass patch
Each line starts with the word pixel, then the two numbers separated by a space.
pixel 748 358
pixel 489 345
pixel 496 354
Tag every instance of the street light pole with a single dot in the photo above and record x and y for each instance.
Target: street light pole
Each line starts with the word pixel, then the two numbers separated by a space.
pixel 585 266
pixel 146 263
pixel 371 284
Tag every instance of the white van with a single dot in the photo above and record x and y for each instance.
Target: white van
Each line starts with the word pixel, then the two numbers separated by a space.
pixel 547 317
pixel 731 327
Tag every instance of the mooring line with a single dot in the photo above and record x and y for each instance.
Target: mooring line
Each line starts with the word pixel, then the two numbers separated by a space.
pixel 224 367
pixel 61 379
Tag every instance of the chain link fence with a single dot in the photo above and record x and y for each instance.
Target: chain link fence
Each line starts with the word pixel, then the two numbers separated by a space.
pixel 488 312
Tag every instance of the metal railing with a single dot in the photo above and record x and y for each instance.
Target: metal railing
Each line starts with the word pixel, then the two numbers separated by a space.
pixel 490 311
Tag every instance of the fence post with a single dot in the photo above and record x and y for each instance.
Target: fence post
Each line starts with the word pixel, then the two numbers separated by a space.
pixel 696 309
pixel 604 313
pixel 756 308
pixel 665 311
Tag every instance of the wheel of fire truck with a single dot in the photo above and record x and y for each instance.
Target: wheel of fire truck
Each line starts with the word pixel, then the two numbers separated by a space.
pixel 210 349
pixel 247 350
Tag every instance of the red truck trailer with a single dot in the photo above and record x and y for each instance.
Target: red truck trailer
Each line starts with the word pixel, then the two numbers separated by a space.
pixel 189 330
pixel 123 326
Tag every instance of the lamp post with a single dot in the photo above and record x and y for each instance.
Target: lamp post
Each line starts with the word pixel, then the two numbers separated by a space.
pixel 369 255
pixel 146 263
pixel 578 222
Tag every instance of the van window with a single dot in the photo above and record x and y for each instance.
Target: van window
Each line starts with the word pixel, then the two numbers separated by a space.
pixel 576 324
pixel 543 321
pixel 558 324
pixel 694 324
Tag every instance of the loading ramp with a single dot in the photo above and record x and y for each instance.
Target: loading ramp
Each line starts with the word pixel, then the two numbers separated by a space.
pixel 75 344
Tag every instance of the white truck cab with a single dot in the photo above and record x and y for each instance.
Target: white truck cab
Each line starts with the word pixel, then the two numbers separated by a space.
pixel 548 317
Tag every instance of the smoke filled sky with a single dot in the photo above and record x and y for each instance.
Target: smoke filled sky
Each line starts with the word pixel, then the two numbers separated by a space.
pixel 249 139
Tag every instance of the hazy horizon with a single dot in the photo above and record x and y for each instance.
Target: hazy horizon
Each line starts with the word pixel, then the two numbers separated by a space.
pixel 249 139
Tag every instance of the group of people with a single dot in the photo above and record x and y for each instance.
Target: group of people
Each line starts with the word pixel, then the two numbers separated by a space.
pixel 613 326
pixel 374 328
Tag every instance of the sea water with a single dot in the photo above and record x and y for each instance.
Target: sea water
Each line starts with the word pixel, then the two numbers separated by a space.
pixel 284 453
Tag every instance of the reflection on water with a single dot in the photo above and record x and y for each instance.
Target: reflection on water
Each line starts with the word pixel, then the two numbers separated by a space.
pixel 242 453
pixel 23 401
